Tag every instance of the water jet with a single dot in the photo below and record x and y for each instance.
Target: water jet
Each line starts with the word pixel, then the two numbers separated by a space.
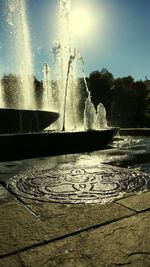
pixel 24 135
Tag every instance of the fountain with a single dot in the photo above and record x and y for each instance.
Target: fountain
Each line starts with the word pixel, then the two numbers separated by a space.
pixel 18 30
pixel 2 103
pixel 67 81
pixel 72 134
pixel 18 107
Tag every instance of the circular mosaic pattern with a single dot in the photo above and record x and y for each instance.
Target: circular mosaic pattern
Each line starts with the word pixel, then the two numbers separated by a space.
pixel 83 185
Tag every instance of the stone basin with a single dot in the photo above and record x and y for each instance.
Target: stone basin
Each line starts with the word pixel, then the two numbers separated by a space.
pixel 18 146
pixel 19 120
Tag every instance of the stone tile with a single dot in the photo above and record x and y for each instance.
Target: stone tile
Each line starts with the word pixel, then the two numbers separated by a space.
pixel 137 202
pixel 19 228
pixel 9 169
pixel 123 243
pixel 12 261
pixel 65 219
pixel 5 196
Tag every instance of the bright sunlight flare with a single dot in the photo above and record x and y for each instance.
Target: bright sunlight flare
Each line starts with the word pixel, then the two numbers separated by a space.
pixel 82 21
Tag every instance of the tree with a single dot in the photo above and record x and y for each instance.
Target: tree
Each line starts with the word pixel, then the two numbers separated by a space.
pixel 100 85
pixel 128 107
pixel 11 84
pixel 147 83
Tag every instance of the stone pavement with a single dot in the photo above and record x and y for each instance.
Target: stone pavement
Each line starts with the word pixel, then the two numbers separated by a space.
pixel 44 234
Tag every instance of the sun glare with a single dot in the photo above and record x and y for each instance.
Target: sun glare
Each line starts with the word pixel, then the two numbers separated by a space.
pixel 82 21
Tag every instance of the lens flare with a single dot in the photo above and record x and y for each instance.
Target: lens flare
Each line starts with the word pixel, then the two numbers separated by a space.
pixel 82 21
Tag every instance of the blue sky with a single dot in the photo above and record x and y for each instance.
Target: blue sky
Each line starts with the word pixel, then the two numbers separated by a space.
pixel 119 42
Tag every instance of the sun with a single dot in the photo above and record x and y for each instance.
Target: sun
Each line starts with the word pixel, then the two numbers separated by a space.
pixel 82 21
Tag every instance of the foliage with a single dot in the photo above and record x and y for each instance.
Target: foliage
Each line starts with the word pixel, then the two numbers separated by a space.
pixel 11 85
pixel 127 102
pixel 100 84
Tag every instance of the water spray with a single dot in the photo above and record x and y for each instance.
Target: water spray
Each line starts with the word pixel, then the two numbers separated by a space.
pixel 71 59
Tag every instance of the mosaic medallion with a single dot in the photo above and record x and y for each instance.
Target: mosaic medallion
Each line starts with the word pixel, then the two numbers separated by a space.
pixel 83 185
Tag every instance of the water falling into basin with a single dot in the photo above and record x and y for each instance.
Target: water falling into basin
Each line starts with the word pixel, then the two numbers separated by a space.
pixel 64 96
pixel 94 119
pixel 67 60
pixel 21 52
pixel 2 102
pixel 47 90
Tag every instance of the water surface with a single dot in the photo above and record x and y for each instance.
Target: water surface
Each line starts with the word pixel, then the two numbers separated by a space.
pixel 96 177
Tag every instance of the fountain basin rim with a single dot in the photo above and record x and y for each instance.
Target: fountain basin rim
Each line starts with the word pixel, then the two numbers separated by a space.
pixel 47 132
pixel 23 120
pixel 19 146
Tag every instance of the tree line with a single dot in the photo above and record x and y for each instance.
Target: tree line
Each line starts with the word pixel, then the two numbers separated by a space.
pixel 127 101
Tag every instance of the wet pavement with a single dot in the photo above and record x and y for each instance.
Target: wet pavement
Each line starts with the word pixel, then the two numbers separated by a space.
pixel 74 185
pixel 90 209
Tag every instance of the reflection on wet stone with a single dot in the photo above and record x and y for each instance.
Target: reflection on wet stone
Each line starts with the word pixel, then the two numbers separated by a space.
pixel 83 185
pixel 8 167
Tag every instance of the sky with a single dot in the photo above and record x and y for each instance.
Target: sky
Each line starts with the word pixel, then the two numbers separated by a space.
pixel 118 39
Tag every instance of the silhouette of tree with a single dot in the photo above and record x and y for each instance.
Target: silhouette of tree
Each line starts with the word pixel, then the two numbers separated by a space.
pixel 127 102
pixel 100 85
pixel 11 84
pixel 38 85
pixel 141 101
pixel 147 102
pixel 123 105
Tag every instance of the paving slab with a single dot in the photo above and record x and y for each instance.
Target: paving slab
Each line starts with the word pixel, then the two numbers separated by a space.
pixel 5 195
pixel 8 169
pixel 66 219
pixel 12 261
pixel 121 243
pixel 19 228
pixel 69 184
pixel 44 234
pixel 137 202
pixel 23 227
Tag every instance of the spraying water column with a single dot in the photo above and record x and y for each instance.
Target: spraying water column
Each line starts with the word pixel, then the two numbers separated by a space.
pixel 67 61
pixel 21 53
pixel 2 102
